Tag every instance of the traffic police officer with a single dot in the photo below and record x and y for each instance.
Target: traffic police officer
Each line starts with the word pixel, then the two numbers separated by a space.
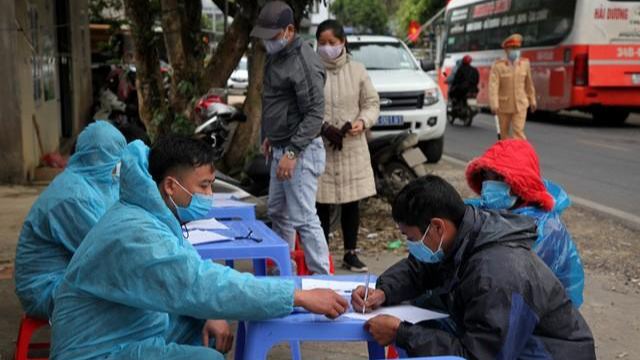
pixel 511 89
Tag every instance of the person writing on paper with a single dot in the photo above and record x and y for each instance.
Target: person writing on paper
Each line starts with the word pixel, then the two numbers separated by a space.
pixel 503 301
pixel 138 289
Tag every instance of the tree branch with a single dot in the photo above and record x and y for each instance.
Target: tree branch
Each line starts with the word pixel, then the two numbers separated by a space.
pixel 233 9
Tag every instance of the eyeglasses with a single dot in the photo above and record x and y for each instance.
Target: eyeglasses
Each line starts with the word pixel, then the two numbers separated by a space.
pixel 249 236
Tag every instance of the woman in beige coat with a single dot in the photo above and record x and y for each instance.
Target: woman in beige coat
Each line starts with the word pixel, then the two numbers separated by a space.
pixel 351 106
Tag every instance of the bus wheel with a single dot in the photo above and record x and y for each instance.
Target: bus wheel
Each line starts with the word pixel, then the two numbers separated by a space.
pixel 610 115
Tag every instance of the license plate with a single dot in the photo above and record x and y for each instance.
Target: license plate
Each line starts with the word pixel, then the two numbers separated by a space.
pixel 390 120
pixel 635 78
pixel 472 102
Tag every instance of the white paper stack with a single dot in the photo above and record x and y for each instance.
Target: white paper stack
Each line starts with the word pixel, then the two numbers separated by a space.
pixel 206 224
pixel 202 237
pixel 342 287
pixel 409 313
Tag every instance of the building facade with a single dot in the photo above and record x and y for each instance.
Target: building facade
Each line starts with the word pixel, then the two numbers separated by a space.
pixel 45 67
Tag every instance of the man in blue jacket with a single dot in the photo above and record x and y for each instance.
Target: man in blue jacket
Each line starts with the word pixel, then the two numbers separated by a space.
pixel 137 289
pixel 64 213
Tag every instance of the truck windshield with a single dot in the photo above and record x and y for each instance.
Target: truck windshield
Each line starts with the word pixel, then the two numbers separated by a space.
pixel 382 56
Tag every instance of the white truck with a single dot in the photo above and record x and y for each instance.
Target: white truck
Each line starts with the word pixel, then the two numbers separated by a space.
pixel 409 98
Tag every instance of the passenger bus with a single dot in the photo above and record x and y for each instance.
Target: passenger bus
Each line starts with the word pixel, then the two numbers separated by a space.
pixel 584 54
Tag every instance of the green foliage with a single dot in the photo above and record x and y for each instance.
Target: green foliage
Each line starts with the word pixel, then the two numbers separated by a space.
pixel 418 10
pixel 365 16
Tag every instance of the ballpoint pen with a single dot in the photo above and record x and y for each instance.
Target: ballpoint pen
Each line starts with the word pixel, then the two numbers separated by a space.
pixel 366 291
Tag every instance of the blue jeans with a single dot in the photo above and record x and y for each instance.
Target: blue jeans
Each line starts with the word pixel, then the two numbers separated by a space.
pixel 292 205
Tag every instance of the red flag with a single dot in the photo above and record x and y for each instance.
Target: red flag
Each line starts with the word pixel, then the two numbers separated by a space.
pixel 414 31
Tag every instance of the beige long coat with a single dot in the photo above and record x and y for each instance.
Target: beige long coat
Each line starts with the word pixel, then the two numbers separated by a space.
pixel 349 95
pixel 511 87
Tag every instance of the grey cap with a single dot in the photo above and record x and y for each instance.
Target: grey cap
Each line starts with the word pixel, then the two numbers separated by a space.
pixel 274 17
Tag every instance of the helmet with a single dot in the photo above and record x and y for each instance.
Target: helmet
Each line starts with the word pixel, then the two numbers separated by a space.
pixel 467 59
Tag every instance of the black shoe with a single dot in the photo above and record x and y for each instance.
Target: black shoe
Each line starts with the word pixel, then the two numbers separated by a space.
pixel 352 263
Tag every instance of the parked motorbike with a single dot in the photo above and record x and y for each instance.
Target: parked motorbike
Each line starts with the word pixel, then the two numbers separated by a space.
pixel 396 160
pixel 464 110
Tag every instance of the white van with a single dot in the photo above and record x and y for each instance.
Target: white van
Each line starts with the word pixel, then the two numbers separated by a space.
pixel 409 98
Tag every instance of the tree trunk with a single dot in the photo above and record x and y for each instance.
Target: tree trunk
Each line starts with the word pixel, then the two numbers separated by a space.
pixel 153 112
pixel 246 135
pixel 181 28
pixel 232 47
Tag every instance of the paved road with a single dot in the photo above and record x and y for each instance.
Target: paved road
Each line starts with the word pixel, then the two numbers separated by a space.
pixel 600 164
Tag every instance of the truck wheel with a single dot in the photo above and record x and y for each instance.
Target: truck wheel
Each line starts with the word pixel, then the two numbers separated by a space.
pixel 610 116
pixel 432 149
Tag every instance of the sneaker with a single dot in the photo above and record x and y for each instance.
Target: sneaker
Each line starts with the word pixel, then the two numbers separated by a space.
pixel 352 263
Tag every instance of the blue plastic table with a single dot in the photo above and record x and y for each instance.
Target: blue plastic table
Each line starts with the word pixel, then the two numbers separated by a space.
pixel 233 209
pixel 437 358
pixel 254 341
pixel 271 247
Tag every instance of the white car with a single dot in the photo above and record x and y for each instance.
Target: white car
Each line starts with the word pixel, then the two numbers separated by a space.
pixel 409 98
pixel 239 78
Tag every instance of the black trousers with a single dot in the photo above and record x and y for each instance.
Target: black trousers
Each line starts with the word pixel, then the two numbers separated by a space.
pixel 350 219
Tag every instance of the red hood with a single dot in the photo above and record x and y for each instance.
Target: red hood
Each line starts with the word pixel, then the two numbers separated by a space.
pixel 517 161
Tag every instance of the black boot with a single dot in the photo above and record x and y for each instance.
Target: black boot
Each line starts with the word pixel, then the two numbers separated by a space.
pixel 352 263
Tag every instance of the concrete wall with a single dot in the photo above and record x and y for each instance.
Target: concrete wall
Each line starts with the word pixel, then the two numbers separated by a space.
pixel 47 112
pixel 10 125
pixel 19 150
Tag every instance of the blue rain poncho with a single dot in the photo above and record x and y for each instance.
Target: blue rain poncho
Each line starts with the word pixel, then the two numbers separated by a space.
pixel 554 243
pixel 64 213
pixel 136 288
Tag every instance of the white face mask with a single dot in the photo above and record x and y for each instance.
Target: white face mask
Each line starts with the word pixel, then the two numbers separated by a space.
pixel 276 45
pixel 329 52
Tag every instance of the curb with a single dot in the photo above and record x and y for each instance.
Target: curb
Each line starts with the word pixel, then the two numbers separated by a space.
pixel 628 219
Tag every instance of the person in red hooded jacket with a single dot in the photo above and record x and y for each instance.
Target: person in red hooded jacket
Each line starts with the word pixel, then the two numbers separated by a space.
pixel 507 177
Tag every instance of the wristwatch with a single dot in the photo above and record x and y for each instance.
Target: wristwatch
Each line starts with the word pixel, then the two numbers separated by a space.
pixel 291 155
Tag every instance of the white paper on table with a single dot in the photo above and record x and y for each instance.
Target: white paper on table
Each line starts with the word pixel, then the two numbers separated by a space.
pixel 409 313
pixel 338 286
pixel 201 237
pixel 206 224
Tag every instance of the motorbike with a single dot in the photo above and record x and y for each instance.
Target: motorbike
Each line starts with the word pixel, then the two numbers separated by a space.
pixel 396 160
pixel 465 109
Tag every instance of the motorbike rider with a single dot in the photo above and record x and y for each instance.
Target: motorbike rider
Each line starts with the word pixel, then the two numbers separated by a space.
pixel 465 81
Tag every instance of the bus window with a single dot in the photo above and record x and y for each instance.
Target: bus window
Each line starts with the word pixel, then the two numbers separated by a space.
pixel 483 25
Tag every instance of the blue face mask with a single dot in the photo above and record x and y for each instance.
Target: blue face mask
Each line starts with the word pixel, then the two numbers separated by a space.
pixel 198 207
pixel 513 55
pixel 497 195
pixel 422 252
pixel 275 46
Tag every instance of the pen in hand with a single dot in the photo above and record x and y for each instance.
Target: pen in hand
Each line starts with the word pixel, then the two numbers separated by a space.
pixel 366 292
